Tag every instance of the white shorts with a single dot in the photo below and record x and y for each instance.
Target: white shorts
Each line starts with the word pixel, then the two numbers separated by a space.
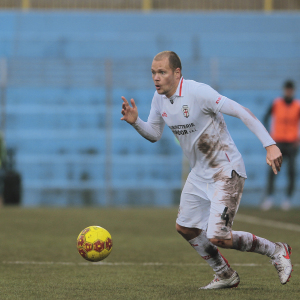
pixel 211 206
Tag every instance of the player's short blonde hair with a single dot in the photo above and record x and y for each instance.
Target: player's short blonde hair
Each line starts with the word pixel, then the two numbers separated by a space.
pixel 174 60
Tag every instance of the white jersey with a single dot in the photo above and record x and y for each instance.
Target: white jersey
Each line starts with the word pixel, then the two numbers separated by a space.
pixel 193 115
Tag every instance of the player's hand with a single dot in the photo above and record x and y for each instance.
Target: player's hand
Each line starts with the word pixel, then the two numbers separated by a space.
pixel 130 114
pixel 274 158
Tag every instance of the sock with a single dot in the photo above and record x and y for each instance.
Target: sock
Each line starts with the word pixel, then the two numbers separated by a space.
pixel 245 241
pixel 212 255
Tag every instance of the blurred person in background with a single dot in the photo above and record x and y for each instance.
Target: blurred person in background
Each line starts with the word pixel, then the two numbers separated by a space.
pixel 285 114
pixel 3 157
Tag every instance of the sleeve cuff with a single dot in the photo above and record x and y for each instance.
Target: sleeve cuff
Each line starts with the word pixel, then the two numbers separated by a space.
pixel 269 143
pixel 137 122
pixel 223 99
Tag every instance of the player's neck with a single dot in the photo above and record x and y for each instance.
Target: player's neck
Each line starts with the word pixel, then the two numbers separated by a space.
pixel 173 90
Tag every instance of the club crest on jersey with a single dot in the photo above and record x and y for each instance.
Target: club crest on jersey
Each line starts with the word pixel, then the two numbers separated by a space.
pixel 185 110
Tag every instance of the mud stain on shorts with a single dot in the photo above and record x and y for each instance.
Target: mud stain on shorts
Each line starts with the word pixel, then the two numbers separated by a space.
pixel 210 146
pixel 219 176
pixel 232 194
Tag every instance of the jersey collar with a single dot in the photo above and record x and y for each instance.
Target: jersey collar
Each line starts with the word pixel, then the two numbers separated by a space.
pixel 179 91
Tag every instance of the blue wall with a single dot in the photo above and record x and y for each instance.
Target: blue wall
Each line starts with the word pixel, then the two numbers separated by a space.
pixel 57 92
pixel 127 35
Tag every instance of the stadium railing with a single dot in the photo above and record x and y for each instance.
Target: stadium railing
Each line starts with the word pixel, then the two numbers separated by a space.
pixel 148 5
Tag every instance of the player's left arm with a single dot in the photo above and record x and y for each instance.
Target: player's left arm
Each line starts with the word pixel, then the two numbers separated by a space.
pixel 234 109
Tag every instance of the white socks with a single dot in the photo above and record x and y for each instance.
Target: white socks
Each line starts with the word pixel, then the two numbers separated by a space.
pixel 245 241
pixel 211 254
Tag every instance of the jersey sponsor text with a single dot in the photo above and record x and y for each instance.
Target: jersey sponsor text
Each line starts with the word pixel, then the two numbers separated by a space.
pixel 181 129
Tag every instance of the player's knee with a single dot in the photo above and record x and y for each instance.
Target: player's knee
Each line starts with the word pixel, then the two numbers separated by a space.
pixel 183 230
pixel 214 241
pixel 188 233
pixel 180 229
pixel 219 242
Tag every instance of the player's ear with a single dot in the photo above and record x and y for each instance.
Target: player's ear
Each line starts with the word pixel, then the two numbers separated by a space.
pixel 178 73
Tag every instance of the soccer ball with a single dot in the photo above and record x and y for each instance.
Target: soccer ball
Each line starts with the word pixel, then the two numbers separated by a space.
pixel 94 243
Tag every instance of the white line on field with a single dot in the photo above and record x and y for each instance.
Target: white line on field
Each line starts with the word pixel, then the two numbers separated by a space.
pixel 269 223
pixel 122 264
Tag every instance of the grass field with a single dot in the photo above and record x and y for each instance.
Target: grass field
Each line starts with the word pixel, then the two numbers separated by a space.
pixel 39 259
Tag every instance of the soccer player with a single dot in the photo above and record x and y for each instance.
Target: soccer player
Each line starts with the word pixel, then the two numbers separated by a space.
pixel 285 112
pixel 213 190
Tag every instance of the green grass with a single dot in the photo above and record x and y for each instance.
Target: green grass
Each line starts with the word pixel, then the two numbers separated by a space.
pixel 139 235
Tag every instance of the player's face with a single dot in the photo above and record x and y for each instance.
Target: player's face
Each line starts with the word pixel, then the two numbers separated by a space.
pixel 165 79
pixel 289 92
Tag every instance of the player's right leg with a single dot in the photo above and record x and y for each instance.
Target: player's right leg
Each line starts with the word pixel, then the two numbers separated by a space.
pixel 225 198
pixel 278 252
pixel 191 223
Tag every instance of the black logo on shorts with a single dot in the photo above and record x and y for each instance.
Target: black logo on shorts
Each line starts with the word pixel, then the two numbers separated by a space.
pixel 225 216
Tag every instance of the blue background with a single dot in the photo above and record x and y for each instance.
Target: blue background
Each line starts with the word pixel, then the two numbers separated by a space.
pixel 67 72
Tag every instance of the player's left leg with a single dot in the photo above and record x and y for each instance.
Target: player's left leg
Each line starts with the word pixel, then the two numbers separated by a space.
pixel 191 223
pixel 225 202
pixel 209 252
pixel 268 201
pixel 291 153
pixel 225 276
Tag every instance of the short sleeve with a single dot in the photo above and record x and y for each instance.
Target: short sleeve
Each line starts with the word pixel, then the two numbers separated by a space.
pixel 155 115
pixel 210 100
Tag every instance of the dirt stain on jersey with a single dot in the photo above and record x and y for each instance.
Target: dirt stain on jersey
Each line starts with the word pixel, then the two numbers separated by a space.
pixel 210 146
pixel 205 145
pixel 222 126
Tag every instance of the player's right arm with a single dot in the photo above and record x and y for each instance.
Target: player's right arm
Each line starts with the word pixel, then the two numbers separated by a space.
pixel 274 155
pixel 212 102
pixel 152 129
